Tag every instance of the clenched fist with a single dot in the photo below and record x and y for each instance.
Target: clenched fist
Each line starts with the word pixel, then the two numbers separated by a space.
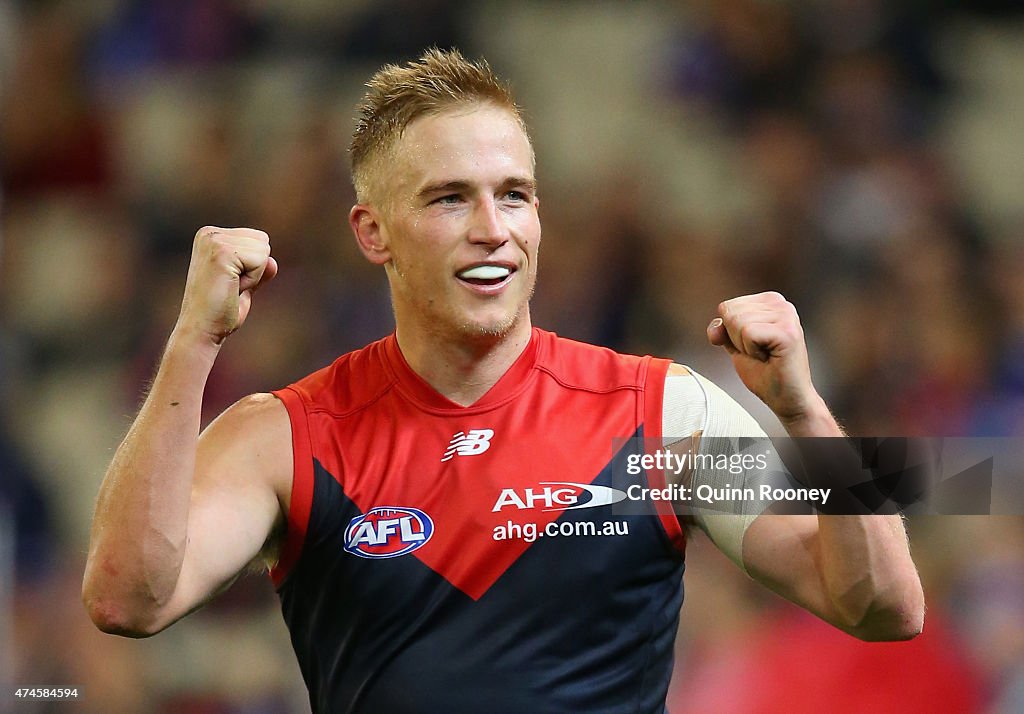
pixel 227 265
pixel 763 335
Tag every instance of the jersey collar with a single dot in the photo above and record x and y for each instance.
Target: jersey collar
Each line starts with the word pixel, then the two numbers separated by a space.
pixel 415 388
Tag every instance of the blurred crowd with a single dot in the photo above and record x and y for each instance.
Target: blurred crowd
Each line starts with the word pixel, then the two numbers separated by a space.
pixel 855 155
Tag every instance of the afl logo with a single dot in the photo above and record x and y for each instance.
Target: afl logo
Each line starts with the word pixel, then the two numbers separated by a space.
pixel 388 532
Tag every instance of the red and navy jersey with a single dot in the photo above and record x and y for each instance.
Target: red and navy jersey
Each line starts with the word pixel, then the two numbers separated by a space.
pixel 462 559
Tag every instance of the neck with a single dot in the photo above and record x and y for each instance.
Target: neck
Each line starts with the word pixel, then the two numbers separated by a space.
pixel 463 370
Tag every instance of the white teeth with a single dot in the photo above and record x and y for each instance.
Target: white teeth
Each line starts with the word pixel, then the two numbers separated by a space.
pixel 485 272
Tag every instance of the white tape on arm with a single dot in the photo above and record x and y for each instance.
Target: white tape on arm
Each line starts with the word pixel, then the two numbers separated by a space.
pixel 694 404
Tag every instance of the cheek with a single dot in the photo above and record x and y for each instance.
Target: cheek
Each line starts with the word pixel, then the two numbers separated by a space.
pixel 417 242
pixel 424 264
pixel 531 241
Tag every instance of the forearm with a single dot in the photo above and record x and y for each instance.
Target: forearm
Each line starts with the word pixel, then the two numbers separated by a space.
pixel 864 561
pixel 854 571
pixel 140 527
pixel 869 576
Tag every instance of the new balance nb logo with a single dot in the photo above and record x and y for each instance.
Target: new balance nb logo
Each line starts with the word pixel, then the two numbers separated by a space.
pixel 477 441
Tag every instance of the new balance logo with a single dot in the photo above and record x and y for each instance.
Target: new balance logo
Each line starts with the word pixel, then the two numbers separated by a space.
pixel 476 442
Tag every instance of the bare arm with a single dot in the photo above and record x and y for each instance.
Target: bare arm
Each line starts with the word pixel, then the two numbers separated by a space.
pixel 853 571
pixel 177 516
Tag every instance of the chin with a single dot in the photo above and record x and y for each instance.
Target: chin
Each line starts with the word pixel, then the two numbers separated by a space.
pixel 494 327
pixel 487 329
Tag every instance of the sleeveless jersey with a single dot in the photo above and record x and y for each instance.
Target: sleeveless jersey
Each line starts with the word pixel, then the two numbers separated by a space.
pixel 442 558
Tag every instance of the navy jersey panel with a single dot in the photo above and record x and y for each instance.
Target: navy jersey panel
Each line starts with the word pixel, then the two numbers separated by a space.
pixel 566 629
pixel 453 559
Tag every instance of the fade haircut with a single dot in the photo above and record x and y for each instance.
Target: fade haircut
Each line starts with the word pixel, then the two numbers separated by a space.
pixel 398 95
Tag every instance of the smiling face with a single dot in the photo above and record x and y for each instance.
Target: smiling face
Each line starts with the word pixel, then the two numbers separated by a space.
pixel 459 229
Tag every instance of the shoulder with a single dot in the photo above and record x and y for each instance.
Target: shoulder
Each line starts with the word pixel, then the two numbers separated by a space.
pixel 253 417
pixel 253 422
pixel 591 367
pixel 352 380
pixel 250 444
pixel 701 405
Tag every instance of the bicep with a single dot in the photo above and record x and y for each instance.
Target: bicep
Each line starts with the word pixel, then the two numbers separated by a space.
pixel 779 552
pixel 239 498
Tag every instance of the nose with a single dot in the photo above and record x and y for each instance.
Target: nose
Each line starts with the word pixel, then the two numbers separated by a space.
pixel 488 224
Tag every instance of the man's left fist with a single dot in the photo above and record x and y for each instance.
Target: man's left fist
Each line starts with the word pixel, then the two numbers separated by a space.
pixel 763 335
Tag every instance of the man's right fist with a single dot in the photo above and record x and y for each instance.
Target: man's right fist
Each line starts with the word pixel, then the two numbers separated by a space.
pixel 227 265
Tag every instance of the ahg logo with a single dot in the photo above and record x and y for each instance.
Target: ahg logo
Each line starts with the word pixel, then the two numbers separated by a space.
pixel 388 532
pixel 567 496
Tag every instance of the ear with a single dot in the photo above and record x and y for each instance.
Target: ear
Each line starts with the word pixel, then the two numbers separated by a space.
pixel 366 226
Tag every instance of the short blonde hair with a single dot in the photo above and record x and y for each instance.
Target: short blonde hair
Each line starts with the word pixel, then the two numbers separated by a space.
pixel 397 95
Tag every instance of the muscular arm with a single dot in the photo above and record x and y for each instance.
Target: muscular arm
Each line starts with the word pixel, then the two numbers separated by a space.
pixel 853 571
pixel 178 516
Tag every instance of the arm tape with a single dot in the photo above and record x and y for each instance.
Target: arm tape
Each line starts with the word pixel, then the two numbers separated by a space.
pixel 694 406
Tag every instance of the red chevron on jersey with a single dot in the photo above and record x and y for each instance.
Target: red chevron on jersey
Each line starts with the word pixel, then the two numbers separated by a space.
pixel 437 554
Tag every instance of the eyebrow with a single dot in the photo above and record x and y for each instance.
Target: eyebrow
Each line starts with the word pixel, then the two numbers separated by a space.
pixel 463 186
pixel 446 186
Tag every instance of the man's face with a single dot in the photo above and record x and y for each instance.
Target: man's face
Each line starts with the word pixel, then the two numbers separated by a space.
pixel 461 227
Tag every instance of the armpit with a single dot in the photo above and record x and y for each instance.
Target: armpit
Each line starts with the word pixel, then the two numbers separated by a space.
pixel 270 553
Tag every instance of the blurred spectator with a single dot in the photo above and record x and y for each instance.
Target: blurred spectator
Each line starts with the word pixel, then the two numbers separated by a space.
pixel 52 136
pixel 142 36
pixel 788 661
pixel 795 146
pixel 399 30
pixel 24 501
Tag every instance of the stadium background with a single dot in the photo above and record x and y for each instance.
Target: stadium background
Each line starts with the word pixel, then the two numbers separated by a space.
pixel 862 157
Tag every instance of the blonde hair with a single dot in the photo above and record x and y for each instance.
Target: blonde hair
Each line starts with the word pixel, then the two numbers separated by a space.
pixel 397 95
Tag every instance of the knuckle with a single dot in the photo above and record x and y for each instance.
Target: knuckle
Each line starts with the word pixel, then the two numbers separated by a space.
pixel 224 253
pixel 254 234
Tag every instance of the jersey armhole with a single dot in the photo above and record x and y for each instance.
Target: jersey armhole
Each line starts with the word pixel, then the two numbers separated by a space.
pixel 301 501
pixel 654 397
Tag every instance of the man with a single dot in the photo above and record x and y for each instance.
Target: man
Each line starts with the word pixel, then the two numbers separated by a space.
pixel 423 501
